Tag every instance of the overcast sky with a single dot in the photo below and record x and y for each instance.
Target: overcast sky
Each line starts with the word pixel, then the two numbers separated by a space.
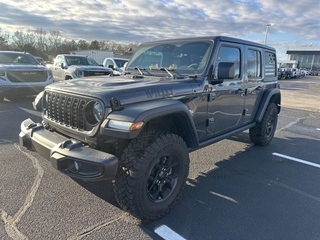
pixel 295 23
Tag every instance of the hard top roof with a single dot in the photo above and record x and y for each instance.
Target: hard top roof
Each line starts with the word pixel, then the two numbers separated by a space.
pixel 213 38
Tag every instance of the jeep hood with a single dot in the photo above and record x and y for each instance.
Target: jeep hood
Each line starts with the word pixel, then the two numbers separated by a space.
pixel 127 90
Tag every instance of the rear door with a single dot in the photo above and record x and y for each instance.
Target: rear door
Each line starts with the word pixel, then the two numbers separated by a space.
pixel 253 82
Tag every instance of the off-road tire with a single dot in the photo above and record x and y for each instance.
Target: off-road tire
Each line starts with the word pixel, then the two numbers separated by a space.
pixel 159 164
pixel 263 132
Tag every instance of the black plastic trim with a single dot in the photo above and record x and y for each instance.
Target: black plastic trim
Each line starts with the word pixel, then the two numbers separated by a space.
pixel 57 148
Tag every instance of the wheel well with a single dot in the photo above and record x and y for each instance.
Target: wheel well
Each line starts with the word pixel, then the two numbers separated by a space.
pixel 68 77
pixel 177 123
pixel 276 98
pixel 266 99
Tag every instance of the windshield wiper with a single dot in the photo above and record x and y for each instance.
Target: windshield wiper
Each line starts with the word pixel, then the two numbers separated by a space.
pixel 170 72
pixel 164 69
pixel 142 70
pixel 175 75
pixel 136 68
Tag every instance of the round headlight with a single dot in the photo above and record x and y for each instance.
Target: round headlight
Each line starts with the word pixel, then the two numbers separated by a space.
pixel 97 111
pixel 94 112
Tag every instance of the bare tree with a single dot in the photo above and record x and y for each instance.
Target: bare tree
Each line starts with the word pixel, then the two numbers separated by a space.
pixel 41 41
pixel 48 45
pixel 83 44
pixel 30 38
pixel 19 40
pixel 111 45
pixel 102 44
pixel 4 40
pixel 118 47
pixel 94 45
pixel 68 46
pixel 73 45
pixel 3 44
pixel 24 41
pixel 55 41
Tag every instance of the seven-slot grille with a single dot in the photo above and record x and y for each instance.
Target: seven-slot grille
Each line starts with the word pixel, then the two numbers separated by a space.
pixel 66 110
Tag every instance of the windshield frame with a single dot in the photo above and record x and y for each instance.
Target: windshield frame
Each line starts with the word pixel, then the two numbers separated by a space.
pixel 17 58
pixel 194 48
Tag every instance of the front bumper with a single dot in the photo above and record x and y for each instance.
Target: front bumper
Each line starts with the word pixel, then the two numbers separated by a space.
pixel 69 156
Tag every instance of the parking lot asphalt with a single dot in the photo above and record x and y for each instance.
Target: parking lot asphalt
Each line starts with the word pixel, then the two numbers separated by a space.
pixel 234 191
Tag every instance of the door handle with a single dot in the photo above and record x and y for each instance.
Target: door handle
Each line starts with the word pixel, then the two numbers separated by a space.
pixel 211 97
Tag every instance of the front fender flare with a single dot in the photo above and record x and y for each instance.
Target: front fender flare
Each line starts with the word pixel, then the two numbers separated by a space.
pixel 146 111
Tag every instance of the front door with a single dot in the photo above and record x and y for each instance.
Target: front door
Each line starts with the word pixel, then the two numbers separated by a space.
pixel 226 100
pixel 57 71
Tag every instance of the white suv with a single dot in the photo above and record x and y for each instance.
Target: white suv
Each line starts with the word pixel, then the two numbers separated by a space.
pixel 21 75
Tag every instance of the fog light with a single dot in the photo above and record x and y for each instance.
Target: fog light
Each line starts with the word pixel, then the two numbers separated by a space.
pixel 76 165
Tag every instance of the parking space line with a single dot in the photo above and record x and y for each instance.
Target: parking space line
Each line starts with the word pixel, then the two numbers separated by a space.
pixel 167 233
pixel 296 160
pixel 289 125
pixel 284 88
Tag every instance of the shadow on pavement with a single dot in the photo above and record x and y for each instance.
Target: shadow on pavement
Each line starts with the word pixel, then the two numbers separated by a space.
pixel 251 195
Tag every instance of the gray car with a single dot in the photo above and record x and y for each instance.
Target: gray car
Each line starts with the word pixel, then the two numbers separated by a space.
pixel 21 75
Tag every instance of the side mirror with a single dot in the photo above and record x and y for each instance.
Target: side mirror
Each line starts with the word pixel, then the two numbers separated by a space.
pixel 111 66
pixel 216 81
pixel 61 65
pixel 226 70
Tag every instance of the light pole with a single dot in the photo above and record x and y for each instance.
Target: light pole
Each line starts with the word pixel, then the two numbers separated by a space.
pixel 267 28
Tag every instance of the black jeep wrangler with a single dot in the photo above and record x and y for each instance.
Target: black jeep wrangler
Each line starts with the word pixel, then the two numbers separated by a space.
pixel 138 129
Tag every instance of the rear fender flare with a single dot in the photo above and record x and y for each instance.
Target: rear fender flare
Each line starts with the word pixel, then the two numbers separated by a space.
pixel 270 95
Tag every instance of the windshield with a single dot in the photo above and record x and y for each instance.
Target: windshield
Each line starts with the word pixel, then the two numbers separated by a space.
pixel 181 56
pixel 16 58
pixel 40 60
pixel 120 62
pixel 80 60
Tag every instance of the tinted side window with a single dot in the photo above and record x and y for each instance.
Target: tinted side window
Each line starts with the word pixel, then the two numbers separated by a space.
pixel 253 63
pixel 229 54
pixel 109 62
pixel 89 61
pixel 270 64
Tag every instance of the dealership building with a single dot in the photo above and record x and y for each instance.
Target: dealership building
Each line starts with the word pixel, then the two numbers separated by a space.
pixel 302 57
